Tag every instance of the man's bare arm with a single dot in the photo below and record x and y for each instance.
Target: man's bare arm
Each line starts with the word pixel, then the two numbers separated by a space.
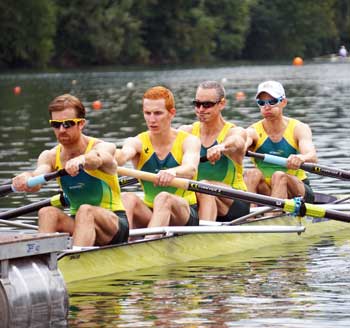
pixel 233 146
pixel 303 136
pixel 44 165
pixel 131 147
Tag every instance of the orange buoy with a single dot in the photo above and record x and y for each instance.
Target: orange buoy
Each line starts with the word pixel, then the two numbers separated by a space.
pixel 240 95
pixel 17 90
pixel 298 61
pixel 97 105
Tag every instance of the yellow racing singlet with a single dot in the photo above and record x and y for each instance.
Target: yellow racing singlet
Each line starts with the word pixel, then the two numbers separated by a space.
pixel 149 162
pixel 93 187
pixel 225 169
pixel 283 148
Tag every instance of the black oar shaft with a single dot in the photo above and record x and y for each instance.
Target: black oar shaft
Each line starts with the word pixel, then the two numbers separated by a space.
pixel 326 171
pixel 6 189
pixel 55 201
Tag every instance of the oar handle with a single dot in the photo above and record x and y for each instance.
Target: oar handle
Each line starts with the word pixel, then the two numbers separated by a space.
pixel 309 167
pixel 40 179
pixel 272 159
pixel 147 176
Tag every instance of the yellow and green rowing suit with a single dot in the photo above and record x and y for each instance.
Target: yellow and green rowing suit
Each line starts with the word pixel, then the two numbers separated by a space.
pixel 225 169
pixel 92 187
pixel 149 162
pixel 283 148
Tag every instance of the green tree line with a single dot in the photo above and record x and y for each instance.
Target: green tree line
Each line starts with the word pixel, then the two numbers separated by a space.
pixel 71 33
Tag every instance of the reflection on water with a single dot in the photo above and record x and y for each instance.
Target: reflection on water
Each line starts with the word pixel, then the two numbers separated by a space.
pixel 294 286
pixel 305 285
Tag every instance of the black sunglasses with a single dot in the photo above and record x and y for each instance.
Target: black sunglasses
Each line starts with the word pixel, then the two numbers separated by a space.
pixel 56 124
pixel 205 104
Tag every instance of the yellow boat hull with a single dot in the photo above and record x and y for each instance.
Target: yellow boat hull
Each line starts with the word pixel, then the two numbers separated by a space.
pixel 184 248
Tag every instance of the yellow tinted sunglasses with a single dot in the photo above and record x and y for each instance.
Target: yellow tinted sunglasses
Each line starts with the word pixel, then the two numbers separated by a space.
pixel 56 124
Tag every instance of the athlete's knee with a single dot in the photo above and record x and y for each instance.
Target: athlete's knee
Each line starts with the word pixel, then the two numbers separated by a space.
pixel 163 199
pixel 253 175
pixel 48 212
pixel 83 214
pixel 49 217
pixel 203 197
pixel 84 209
pixel 279 177
pixel 129 199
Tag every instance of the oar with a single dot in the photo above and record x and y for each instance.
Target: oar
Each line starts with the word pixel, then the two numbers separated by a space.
pixel 288 205
pixel 34 181
pixel 19 225
pixel 127 181
pixel 40 179
pixel 57 200
pixel 309 167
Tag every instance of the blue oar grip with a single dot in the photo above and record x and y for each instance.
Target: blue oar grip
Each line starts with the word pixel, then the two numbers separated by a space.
pixel 34 181
pixel 275 160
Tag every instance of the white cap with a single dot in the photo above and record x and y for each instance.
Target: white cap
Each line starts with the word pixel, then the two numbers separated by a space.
pixel 273 88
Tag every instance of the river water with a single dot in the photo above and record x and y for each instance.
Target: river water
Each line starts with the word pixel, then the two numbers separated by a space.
pixel 304 285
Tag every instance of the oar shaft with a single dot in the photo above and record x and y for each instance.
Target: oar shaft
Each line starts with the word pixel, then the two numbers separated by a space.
pixel 53 201
pixel 326 171
pixel 19 224
pixel 6 189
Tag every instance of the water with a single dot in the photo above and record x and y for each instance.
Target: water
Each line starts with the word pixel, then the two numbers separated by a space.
pixel 300 285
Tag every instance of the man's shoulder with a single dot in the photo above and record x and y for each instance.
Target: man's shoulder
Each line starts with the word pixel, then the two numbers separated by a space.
pixel 187 128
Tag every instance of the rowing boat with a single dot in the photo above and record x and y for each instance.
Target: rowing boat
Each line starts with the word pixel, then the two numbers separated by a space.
pixel 181 246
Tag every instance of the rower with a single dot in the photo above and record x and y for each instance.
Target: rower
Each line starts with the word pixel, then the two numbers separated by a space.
pixel 223 144
pixel 279 135
pixel 97 215
pixel 167 152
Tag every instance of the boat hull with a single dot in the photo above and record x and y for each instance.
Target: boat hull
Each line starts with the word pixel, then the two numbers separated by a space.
pixel 144 254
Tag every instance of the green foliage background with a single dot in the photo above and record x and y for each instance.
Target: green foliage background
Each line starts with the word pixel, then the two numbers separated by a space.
pixel 72 33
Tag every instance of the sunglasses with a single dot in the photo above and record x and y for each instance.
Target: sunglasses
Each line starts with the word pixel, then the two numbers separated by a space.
pixel 205 104
pixel 56 124
pixel 271 102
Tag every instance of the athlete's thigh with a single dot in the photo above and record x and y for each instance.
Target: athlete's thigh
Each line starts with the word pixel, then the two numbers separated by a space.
pixel 53 215
pixel 263 188
pixel 295 186
pixel 142 214
pixel 223 204
pixel 106 222
pixel 180 210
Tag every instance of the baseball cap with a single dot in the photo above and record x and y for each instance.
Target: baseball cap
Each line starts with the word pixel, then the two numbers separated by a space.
pixel 273 88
